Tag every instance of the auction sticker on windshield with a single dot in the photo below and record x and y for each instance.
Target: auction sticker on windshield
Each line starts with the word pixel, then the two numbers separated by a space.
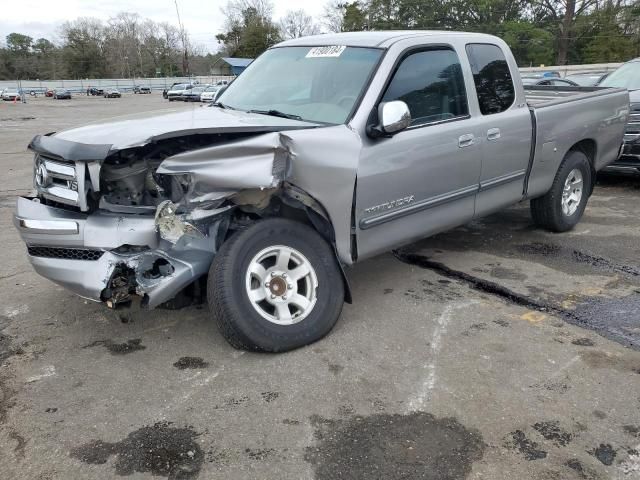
pixel 327 51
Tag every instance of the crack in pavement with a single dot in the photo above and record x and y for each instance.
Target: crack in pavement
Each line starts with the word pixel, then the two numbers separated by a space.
pixel 510 296
pixel 11 275
pixel 552 250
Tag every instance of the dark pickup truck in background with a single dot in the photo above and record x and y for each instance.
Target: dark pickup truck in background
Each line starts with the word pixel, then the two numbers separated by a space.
pixel 628 76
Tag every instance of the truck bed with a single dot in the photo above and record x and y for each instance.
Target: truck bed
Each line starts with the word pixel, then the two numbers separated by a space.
pixel 564 116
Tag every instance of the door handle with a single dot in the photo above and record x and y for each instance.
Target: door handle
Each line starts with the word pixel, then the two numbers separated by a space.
pixel 493 134
pixel 465 140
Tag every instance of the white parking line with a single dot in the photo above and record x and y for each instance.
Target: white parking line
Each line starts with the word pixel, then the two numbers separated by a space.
pixel 424 393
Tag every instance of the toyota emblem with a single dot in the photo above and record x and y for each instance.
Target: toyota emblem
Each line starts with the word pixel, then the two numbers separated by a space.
pixel 42 175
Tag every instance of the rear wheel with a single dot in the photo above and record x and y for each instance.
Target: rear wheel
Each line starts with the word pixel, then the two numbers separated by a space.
pixel 275 286
pixel 561 208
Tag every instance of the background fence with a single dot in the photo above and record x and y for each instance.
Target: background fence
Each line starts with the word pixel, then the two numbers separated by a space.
pixel 122 84
pixel 127 84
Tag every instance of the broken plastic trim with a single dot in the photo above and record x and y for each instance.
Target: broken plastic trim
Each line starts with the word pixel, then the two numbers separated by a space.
pixel 67 150
pixel 171 227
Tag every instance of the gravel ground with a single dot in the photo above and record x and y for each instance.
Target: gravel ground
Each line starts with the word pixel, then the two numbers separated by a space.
pixel 494 351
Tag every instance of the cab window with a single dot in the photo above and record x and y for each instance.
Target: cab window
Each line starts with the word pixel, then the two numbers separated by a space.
pixel 431 83
pixel 491 75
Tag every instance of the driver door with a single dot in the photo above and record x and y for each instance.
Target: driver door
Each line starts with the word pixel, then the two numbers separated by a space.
pixel 423 179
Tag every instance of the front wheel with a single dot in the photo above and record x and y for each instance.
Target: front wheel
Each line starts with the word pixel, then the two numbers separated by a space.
pixel 275 286
pixel 561 208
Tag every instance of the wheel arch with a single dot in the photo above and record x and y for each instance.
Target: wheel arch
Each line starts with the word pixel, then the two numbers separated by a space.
pixel 296 204
pixel 589 147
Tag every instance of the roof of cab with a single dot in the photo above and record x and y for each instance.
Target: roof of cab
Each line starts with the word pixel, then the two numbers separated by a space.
pixel 379 39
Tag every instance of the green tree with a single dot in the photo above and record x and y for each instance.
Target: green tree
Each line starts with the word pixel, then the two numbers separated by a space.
pixel 531 45
pixel 83 47
pixel 250 29
pixel 355 17
pixel 19 43
pixel 342 16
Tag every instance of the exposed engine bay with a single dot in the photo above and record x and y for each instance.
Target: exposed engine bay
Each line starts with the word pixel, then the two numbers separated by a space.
pixel 159 211
pixel 129 179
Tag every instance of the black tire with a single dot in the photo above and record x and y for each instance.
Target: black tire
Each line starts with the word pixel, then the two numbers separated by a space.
pixel 547 210
pixel 239 322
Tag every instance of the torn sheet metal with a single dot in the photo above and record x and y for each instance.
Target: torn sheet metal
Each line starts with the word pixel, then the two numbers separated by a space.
pixel 257 162
pixel 156 276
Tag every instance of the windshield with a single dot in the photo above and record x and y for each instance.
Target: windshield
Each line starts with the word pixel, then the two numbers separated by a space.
pixel 627 76
pixel 318 84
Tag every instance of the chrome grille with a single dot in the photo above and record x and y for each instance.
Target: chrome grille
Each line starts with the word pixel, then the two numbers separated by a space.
pixel 632 130
pixel 65 253
pixel 57 180
pixel 631 148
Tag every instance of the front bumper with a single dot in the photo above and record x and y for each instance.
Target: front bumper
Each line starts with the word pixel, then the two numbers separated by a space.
pixel 629 160
pixel 84 253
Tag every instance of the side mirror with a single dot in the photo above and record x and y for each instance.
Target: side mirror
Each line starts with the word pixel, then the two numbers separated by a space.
pixel 393 117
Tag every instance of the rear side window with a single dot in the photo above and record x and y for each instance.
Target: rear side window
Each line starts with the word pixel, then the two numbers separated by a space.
pixel 430 82
pixel 494 85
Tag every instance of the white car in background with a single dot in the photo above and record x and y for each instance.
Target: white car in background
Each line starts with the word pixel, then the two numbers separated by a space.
pixel 10 94
pixel 210 93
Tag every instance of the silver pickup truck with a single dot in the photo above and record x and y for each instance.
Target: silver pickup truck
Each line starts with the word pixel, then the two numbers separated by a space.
pixel 326 151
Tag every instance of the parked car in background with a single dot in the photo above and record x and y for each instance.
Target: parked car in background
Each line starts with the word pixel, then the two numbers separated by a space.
pixel 590 79
pixel 61 94
pixel 549 81
pixel 326 151
pixel 49 92
pixel 112 93
pixel 166 90
pixel 210 92
pixel 628 76
pixel 10 94
pixel 192 94
pixel 95 91
pixel 178 90
pixel 141 89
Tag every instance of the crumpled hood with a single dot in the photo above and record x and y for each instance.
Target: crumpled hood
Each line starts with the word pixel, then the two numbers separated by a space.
pixel 140 129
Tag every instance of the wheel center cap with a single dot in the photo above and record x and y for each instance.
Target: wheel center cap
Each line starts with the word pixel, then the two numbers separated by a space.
pixel 278 286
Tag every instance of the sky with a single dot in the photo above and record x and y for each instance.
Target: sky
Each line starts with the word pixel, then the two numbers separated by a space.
pixel 201 18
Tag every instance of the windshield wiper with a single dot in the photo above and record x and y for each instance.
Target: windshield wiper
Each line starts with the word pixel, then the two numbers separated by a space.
pixel 276 113
pixel 223 106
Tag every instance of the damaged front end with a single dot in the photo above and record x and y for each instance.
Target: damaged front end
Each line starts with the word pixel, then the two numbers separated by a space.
pixel 153 215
